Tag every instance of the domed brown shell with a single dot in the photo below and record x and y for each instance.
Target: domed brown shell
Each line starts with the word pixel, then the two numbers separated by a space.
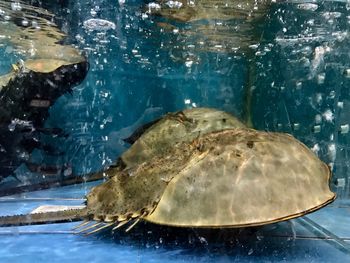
pixel 231 178
pixel 182 126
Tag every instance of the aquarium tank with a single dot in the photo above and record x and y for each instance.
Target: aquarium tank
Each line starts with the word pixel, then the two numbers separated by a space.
pixel 175 131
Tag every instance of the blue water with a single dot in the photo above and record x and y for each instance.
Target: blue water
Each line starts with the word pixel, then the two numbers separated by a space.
pixel 303 82
pixel 57 248
pixel 139 72
pixel 133 80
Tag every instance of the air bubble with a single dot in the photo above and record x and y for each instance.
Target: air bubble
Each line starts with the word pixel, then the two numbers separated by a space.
pixel 341 182
pixel 187 101
pixel 332 152
pixel 174 4
pixel 189 63
pixel 328 115
pixel 94 24
pixel 344 128
pixel 25 23
pixel 298 85
pixel 318 119
pixel 315 148
pixel 347 73
pixel 296 126
pixel 321 78
pixel 16 6
pixel 308 6
pixel 317 128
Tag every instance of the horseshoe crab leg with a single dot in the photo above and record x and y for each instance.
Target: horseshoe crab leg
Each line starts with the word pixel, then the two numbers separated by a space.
pixel 84 223
pixel 89 227
pixel 133 224
pixel 120 224
pixel 99 229
pixel 85 226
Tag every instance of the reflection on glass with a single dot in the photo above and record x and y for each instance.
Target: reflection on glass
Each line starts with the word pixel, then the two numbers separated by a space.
pixel 46 69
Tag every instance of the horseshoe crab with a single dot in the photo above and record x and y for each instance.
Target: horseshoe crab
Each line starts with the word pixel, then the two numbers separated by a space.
pixel 232 178
pixel 154 138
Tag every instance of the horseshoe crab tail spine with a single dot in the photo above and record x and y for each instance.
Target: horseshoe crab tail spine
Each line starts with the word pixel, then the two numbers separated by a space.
pixel 69 215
